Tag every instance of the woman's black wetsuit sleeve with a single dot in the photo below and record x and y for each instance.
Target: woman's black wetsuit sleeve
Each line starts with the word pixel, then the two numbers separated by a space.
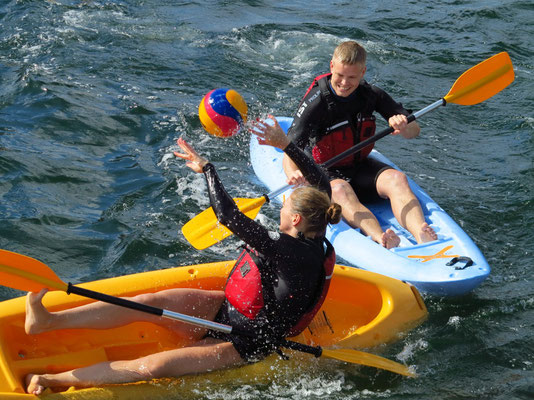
pixel 245 228
pixel 311 171
pixel 230 216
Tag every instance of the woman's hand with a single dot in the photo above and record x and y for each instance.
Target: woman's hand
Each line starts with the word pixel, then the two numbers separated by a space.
pixel 194 161
pixel 272 135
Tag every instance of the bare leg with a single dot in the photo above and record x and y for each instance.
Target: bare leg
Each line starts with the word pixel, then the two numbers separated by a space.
pixel 359 216
pixel 210 354
pixel 393 184
pixel 98 315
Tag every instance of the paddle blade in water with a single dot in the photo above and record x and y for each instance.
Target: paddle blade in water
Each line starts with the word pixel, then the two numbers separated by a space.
pixel 27 274
pixel 482 81
pixel 368 359
pixel 205 230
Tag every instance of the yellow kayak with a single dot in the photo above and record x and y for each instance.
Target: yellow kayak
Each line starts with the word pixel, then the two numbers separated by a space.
pixel 363 309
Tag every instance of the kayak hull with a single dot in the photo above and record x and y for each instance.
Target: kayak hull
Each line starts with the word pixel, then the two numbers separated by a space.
pixel 362 310
pixel 423 265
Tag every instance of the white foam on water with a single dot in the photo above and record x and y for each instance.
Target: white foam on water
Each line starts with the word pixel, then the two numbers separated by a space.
pixel 410 349
pixel 78 19
pixel 192 187
pixel 312 387
pixel 530 122
pixel 454 321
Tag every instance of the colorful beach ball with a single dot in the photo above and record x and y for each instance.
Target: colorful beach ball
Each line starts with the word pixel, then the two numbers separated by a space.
pixel 222 112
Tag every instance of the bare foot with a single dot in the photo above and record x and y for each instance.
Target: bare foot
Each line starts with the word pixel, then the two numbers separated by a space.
pixel 37 316
pixel 389 239
pixel 34 384
pixel 427 233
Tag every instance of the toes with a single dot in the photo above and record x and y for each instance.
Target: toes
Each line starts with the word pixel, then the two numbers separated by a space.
pixel 33 385
pixel 390 239
pixel 427 233
pixel 41 294
pixel 34 298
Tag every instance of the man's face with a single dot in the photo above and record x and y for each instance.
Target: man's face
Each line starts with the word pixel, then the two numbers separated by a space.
pixel 346 77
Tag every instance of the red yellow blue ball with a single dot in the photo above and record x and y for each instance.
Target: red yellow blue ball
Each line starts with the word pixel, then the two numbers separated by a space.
pixel 222 112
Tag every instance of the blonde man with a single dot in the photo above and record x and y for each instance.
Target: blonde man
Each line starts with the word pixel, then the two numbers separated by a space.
pixel 337 113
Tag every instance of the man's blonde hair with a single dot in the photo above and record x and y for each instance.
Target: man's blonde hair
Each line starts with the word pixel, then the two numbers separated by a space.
pixel 350 52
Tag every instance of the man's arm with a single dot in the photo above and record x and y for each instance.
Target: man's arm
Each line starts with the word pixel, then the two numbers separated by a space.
pixel 306 122
pixel 412 130
pixel 395 114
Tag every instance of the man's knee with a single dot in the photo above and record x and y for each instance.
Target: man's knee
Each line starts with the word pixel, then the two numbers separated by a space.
pixel 392 181
pixel 341 190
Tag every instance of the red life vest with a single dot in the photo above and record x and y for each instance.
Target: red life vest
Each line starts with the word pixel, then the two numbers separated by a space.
pixel 341 135
pixel 315 80
pixel 243 288
pixel 244 292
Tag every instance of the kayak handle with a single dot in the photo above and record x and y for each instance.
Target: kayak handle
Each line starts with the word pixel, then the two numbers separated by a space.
pixel 468 262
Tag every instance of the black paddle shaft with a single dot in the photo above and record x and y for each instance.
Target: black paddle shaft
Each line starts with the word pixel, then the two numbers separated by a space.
pixel 316 351
pixel 189 319
pixel 114 300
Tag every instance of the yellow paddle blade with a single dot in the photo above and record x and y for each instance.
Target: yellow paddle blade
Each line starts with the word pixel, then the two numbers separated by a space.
pixel 27 274
pixel 482 81
pixel 368 359
pixel 205 230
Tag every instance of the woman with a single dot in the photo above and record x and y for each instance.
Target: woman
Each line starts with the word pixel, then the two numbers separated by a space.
pixel 273 290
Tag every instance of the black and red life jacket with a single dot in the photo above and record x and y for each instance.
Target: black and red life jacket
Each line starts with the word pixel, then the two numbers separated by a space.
pixel 341 135
pixel 244 291
pixel 328 264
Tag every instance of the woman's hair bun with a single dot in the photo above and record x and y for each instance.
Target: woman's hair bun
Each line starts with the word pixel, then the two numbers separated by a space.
pixel 333 214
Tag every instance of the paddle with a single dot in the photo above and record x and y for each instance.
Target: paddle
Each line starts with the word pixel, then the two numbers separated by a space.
pixel 28 274
pixel 474 86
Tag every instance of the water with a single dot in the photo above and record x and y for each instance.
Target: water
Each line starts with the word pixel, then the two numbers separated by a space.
pixel 94 93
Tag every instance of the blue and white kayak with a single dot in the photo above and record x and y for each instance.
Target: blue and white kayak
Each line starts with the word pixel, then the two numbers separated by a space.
pixel 452 265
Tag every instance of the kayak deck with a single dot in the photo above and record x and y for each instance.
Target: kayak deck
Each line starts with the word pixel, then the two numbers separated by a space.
pixel 362 310
pixel 424 265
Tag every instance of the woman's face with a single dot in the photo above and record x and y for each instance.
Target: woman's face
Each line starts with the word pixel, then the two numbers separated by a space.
pixel 286 216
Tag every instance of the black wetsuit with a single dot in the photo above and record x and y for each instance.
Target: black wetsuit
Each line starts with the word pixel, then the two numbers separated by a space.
pixel 314 118
pixel 291 269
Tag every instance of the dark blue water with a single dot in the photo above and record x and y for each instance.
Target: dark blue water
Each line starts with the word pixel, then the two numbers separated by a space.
pixel 94 93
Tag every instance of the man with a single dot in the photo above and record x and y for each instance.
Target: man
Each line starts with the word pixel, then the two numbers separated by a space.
pixel 336 113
